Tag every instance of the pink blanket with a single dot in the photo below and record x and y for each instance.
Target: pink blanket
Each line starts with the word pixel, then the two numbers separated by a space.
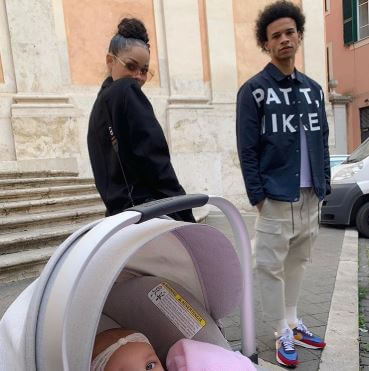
pixel 191 355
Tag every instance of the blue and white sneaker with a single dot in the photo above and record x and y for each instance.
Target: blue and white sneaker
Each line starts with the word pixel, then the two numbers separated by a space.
pixel 305 338
pixel 285 352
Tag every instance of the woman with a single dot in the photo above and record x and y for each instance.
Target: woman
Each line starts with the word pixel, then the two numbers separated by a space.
pixel 128 151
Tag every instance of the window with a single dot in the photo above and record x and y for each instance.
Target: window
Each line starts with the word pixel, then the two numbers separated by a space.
pixel 355 20
pixel 349 21
pixel 363 21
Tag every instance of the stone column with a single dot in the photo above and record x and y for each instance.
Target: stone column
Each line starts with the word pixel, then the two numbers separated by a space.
pixel 34 45
pixel 224 86
pixel 339 104
pixel 44 122
pixel 314 42
pixel 222 50
pixel 7 89
pixel 185 67
pixel 190 130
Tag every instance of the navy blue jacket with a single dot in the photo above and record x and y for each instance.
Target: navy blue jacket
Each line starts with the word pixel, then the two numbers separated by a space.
pixel 269 108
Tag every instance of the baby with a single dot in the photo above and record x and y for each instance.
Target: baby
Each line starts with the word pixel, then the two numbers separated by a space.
pixel 126 350
pixel 123 350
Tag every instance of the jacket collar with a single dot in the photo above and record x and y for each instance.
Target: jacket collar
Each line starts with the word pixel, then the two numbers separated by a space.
pixel 273 71
pixel 107 82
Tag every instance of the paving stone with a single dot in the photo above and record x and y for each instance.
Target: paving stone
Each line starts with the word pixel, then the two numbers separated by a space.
pixel 261 347
pixel 232 333
pixel 268 356
pixel 307 354
pixel 310 321
pixel 364 361
pixel 364 346
pixel 327 296
pixel 319 330
pixel 314 308
pixel 309 365
pixel 316 299
pixel 264 329
pixel 323 317
pixel 268 340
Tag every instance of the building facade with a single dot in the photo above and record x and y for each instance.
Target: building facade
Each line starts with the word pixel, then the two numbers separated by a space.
pixel 53 62
pixel 347 42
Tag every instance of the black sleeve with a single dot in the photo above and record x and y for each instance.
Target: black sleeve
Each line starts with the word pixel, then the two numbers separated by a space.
pixel 148 144
pixel 248 143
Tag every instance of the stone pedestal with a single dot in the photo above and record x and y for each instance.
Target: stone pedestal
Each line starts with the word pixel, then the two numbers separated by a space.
pixel 45 128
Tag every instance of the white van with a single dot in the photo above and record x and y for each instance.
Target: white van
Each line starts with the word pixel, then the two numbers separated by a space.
pixel 348 204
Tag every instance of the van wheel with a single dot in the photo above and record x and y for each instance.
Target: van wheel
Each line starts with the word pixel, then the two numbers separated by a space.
pixel 362 220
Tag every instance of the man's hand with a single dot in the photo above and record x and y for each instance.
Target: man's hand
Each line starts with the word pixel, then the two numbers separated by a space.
pixel 260 205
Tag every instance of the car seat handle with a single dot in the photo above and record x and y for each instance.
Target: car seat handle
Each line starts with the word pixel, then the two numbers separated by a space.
pixel 169 205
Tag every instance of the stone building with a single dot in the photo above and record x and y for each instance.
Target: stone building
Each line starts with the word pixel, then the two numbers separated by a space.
pixel 53 61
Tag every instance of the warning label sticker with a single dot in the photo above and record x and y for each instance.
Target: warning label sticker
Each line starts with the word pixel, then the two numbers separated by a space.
pixel 177 309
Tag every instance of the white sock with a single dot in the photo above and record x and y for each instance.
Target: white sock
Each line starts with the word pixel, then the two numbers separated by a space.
pixel 291 316
pixel 281 325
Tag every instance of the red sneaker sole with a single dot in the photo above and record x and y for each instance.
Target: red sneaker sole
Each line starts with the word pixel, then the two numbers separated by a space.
pixel 309 346
pixel 286 363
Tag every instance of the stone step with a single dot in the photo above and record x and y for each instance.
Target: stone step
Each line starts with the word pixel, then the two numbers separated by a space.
pixel 38 238
pixel 24 264
pixel 46 192
pixel 25 222
pixel 36 174
pixel 17 183
pixel 50 204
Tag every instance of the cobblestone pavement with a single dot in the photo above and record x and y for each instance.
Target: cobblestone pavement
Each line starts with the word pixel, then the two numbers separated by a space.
pixel 313 306
pixel 315 297
pixel 364 303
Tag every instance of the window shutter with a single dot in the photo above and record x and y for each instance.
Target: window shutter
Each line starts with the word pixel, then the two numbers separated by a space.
pixel 349 21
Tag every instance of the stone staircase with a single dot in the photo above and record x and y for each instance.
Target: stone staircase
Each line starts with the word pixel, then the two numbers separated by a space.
pixel 38 211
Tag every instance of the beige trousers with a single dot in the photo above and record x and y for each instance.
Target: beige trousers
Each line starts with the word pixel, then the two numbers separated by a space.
pixel 285 233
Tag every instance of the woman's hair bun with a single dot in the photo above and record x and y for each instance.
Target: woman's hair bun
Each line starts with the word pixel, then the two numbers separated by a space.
pixel 133 28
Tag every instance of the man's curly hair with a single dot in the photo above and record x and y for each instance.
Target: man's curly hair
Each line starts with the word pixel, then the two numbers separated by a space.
pixel 272 12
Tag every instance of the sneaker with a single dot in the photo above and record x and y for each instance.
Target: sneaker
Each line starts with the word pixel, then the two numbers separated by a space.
pixel 302 336
pixel 285 352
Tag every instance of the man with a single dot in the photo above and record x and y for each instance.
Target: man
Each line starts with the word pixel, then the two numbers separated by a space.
pixel 282 138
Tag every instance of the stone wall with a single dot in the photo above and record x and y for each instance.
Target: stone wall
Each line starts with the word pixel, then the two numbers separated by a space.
pixel 53 60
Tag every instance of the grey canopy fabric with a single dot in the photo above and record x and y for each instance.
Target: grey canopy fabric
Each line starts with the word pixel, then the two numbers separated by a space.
pixel 130 306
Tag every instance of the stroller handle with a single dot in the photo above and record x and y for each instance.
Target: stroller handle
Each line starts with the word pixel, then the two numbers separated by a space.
pixel 169 205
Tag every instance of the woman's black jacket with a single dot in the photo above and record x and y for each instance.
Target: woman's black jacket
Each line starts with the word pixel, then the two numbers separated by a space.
pixel 143 150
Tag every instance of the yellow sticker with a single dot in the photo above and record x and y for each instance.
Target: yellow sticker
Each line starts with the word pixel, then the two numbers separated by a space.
pixel 177 309
pixel 185 304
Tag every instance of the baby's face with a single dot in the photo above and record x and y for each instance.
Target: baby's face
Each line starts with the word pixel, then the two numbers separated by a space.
pixel 134 357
